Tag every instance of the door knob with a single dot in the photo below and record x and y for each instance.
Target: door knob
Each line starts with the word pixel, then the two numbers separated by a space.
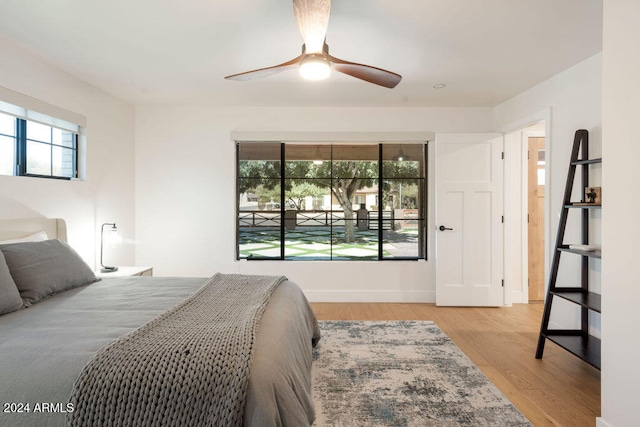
pixel 442 228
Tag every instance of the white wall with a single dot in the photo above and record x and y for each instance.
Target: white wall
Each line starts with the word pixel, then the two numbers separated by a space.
pixel 107 195
pixel 620 230
pixel 185 187
pixel 568 101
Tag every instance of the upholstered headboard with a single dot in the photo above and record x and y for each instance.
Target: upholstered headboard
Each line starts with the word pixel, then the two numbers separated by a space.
pixel 55 228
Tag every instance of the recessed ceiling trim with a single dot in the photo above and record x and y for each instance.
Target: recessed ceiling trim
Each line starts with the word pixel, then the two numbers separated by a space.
pixel 302 136
pixel 68 118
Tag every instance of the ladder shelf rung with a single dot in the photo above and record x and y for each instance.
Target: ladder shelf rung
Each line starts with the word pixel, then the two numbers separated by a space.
pixel 592 254
pixel 585 346
pixel 582 206
pixel 590 300
pixel 587 161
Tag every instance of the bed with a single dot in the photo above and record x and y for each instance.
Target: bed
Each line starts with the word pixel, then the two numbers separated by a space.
pixel 48 348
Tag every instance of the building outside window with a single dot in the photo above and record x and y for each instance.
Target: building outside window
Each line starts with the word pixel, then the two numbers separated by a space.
pixel 331 201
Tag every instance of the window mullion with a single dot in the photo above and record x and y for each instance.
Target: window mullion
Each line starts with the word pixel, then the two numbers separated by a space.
pixel 331 177
pixel 380 207
pixel 21 147
pixel 75 155
pixel 51 150
pixel 237 200
pixel 425 202
pixel 282 200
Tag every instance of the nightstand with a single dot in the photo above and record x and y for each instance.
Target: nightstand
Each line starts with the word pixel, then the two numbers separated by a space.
pixel 127 271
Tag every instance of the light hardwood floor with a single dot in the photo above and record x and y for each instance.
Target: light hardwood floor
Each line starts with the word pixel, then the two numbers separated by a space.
pixel 558 390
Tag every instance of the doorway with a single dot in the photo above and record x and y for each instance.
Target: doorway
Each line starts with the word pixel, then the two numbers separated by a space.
pixel 527 211
pixel 536 164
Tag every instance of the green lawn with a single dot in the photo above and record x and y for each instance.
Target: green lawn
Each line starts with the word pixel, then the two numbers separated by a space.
pixel 324 243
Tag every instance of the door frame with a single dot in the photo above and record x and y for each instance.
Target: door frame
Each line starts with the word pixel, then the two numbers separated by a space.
pixel 516 286
pixel 525 135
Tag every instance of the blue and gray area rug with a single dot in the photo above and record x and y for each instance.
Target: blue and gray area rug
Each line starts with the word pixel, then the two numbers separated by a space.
pixel 401 373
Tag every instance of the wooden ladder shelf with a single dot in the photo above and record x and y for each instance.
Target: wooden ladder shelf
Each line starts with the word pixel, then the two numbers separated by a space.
pixel 577 341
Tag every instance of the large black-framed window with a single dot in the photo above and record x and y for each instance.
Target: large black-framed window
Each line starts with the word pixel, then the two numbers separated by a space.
pixel 329 201
pixel 29 148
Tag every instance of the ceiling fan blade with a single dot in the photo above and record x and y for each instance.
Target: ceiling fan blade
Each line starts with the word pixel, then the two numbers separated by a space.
pixel 264 72
pixel 312 17
pixel 367 73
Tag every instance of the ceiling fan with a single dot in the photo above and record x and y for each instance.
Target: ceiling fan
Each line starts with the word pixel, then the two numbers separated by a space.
pixel 315 62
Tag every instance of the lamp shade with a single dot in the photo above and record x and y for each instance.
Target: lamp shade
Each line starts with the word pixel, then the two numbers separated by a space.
pixel 112 238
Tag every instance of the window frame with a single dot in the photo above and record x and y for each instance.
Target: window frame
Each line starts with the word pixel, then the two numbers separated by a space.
pixel 21 154
pixel 422 177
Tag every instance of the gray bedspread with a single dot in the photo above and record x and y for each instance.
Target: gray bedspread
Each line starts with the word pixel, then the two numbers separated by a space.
pixel 44 348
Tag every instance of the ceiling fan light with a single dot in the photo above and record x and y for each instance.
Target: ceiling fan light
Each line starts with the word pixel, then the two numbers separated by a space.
pixel 315 67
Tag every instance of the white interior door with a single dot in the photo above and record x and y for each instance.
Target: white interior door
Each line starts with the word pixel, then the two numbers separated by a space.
pixel 469 223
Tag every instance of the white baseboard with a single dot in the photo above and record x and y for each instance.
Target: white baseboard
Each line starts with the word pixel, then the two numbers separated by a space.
pixel 370 296
pixel 602 423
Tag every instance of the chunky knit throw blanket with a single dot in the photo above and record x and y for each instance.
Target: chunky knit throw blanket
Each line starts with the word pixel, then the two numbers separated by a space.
pixel 188 367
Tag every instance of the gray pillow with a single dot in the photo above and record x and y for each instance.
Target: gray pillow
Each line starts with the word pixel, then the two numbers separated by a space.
pixel 9 295
pixel 44 268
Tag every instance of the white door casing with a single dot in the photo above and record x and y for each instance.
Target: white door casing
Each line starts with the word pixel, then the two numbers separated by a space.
pixel 469 201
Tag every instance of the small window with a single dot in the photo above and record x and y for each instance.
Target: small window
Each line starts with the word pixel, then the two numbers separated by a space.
pixel 29 148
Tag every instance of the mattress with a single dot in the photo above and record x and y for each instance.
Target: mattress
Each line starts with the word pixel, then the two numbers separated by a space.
pixel 43 348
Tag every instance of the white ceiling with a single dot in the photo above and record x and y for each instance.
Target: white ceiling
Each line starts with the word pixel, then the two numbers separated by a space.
pixel 178 51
